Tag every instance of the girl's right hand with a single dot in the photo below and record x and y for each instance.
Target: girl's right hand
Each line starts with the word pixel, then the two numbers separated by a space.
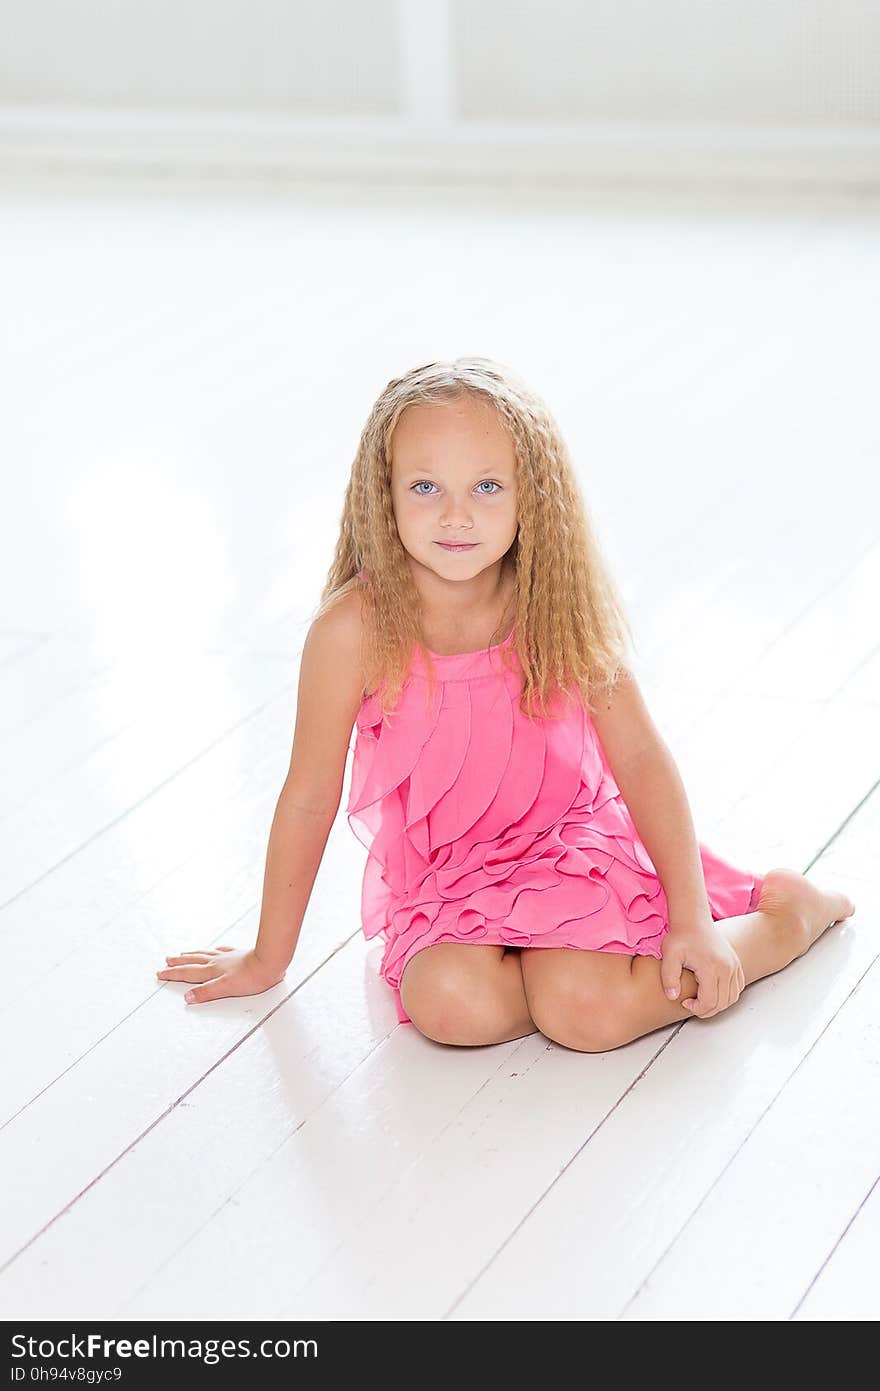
pixel 221 971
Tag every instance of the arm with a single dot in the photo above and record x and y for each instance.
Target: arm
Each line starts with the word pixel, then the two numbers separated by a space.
pixel 330 690
pixel 654 793
pixel 297 842
pixel 652 789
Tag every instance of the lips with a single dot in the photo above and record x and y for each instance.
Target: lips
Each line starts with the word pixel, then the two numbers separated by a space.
pixel 457 545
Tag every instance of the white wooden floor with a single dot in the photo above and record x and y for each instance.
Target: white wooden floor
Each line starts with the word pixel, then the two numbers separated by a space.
pixel 187 369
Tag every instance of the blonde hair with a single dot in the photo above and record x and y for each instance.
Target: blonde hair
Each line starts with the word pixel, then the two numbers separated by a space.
pixel 569 624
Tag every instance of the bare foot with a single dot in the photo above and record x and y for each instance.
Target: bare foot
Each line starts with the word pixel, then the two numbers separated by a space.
pixel 790 915
pixel 811 910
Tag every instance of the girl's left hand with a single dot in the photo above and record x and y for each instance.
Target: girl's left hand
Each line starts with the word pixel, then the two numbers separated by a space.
pixel 701 948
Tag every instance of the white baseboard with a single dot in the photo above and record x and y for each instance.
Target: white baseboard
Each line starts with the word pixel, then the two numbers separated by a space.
pixel 177 142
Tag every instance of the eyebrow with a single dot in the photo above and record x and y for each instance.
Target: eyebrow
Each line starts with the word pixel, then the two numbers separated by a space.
pixel 418 473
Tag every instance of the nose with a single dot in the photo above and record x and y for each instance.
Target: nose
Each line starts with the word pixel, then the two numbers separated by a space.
pixel 455 515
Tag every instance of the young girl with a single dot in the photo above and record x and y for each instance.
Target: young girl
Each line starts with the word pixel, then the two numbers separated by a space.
pixel 532 860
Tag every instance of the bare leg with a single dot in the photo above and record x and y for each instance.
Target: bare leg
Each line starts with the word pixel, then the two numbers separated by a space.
pixel 594 1001
pixel 791 915
pixel 518 1021
pixel 467 995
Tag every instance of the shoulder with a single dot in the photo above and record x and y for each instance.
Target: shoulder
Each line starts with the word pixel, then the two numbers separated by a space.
pixel 334 639
pixel 330 691
pixel 338 635
pixel 342 621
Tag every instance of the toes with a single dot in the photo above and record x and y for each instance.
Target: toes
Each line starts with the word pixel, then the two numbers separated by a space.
pixel 841 906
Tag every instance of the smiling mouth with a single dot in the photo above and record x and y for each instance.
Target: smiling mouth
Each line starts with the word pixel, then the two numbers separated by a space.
pixel 459 545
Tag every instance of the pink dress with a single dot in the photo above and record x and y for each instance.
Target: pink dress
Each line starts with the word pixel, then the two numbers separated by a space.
pixel 484 828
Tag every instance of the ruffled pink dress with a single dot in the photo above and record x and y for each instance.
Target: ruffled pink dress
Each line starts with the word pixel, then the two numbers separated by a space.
pixel 482 827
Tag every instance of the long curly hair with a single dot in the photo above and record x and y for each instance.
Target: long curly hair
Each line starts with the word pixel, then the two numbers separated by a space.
pixel 569 620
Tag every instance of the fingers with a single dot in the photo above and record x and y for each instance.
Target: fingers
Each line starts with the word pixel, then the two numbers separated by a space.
pixel 196 968
pixel 210 990
pixel 670 972
pixel 706 1000
pixel 199 968
pixel 202 954
pixel 724 998
pixel 705 1005
pixel 191 971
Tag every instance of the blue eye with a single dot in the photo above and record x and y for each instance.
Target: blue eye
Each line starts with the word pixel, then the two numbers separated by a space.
pixel 426 483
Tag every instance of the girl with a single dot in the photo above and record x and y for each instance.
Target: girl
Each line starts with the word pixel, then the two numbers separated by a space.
pixel 532 860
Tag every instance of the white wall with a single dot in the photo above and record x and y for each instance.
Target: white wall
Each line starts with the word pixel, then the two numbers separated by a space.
pixel 330 57
pixel 804 61
pixel 744 89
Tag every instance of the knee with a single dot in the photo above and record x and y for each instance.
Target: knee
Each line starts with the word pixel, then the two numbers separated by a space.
pixel 579 1017
pixel 447 1008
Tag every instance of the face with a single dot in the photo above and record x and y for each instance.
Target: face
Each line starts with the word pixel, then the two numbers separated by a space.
pixel 453 478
